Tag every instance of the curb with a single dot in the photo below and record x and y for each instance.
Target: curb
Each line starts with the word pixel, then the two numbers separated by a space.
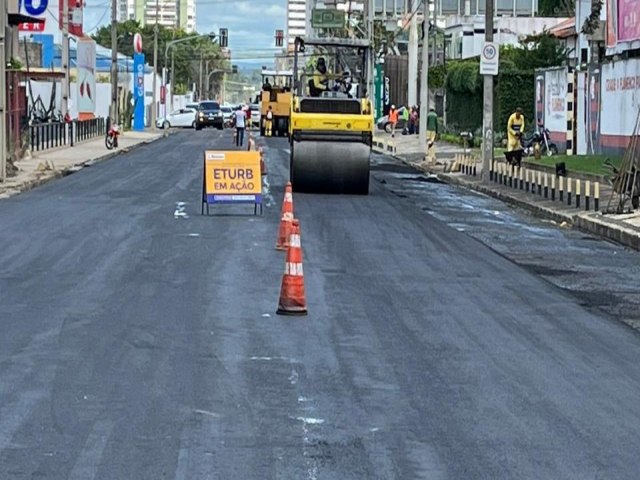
pixel 57 174
pixel 586 222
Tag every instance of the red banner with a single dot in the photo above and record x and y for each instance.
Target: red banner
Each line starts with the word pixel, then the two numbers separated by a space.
pixel 31 27
pixel 75 16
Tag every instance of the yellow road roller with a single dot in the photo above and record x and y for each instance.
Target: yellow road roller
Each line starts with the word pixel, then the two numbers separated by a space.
pixel 331 122
pixel 278 97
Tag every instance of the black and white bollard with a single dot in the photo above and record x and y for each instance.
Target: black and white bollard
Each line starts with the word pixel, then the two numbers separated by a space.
pixel 568 191
pixel 587 195
pixel 553 187
pixel 546 185
pixel 596 196
pixel 561 188
pixel 578 193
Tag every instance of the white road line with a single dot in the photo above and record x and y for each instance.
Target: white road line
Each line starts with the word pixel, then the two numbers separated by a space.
pixel 89 459
pixel 183 464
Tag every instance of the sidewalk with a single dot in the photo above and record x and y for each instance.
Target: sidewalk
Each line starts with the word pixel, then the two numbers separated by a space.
pixel 58 162
pixel 624 229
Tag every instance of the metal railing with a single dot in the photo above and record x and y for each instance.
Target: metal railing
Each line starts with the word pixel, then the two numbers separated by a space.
pixel 56 134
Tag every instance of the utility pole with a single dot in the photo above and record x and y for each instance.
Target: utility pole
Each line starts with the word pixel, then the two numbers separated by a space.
pixel 372 53
pixel 424 80
pixel 3 92
pixel 65 57
pixel 154 112
pixel 173 80
pixel 413 55
pixel 200 86
pixel 487 116
pixel 114 62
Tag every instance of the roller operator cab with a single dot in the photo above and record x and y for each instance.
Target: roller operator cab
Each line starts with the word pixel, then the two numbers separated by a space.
pixel 331 125
pixel 276 93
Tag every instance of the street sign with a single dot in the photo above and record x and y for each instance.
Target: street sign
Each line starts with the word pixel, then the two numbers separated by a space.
pixel 323 18
pixel 489 59
pixel 138 92
pixel 231 177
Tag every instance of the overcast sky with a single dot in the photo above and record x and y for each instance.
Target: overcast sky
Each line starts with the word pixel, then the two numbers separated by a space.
pixel 251 23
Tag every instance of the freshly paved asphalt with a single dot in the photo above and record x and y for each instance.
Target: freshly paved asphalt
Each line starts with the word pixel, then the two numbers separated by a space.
pixel 141 343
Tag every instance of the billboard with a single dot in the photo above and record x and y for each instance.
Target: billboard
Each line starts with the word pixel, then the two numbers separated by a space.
pixel 623 23
pixel 620 97
pixel 86 63
pixel 555 84
pixel 628 20
pixel 75 16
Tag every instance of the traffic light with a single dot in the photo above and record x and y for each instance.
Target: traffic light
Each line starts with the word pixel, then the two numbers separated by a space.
pixel 223 37
pixel 279 38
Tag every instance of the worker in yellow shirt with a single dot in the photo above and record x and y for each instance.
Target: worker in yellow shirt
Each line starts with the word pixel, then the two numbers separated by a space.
pixel 515 129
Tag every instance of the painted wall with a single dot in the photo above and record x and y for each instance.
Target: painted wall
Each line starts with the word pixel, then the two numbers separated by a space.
pixel 551 103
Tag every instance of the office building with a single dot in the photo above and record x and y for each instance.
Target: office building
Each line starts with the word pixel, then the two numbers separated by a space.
pixel 170 13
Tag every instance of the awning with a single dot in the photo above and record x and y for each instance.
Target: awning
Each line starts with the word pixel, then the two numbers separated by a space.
pixel 16 19
pixel 564 29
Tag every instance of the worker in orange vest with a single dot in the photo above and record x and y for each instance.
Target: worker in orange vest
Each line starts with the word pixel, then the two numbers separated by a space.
pixel 393 119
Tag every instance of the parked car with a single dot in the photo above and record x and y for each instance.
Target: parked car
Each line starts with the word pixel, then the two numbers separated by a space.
pixel 255 114
pixel 209 115
pixel 383 122
pixel 184 117
pixel 227 114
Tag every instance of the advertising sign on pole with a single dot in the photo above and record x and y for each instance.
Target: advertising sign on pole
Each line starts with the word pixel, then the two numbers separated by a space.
pixel 75 16
pixel 628 20
pixel 36 9
pixel 86 83
pixel 138 92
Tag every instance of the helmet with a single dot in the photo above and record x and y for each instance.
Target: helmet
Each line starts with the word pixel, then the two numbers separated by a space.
pixel 321 65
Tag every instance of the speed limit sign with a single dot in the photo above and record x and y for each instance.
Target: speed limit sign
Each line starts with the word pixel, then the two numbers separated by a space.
pixel 489 59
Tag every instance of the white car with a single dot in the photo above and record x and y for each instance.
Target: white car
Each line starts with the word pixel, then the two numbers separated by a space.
pixel 184 117
pixel 255 114
pixel 227 113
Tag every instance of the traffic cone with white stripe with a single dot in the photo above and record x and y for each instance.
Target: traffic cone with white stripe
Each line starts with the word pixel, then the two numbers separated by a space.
pixel 286 219
pixel 292 296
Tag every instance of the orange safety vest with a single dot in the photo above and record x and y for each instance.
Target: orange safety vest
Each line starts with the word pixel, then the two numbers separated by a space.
pixel 393 116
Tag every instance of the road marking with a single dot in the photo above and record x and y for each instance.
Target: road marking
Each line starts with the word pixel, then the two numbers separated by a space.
pixel 310 420
pixel 180 211
pixel 208 413
pixel 183 464
pixel 87 464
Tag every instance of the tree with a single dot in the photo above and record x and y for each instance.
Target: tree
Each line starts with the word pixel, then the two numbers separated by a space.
pixel 187 55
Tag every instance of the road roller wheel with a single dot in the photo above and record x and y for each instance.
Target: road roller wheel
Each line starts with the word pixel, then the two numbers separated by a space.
pixel 330 167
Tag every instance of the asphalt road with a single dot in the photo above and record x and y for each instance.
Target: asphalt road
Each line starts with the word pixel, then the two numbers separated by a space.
pixel 139 339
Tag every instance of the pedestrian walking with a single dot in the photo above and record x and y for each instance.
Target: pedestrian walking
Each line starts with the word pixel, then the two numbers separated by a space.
pixel 432 134
pixel 393 119
pixel 240 125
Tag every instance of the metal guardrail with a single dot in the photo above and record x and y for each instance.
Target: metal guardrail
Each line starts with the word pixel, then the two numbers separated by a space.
pixel 56 134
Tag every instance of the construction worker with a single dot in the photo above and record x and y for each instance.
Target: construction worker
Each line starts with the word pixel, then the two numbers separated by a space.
pixel 320 82
pixel 432 133
pixel 393 119
pixel 515 128
pixel 268 122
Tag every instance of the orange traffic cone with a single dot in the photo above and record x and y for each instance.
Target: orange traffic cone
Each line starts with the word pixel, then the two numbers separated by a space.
pixel 286 219
pixel 263 166
pixel 292 297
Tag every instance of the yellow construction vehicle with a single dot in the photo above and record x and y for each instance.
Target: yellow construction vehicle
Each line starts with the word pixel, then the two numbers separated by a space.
pixel 331 127
pixel 276 93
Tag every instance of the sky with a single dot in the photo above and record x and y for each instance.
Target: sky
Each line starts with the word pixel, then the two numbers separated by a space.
pixel 251 24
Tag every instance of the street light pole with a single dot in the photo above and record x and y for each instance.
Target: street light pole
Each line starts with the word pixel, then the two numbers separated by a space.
pixel 424 81
pixel 114 62
pixel 487 117
pixel 65 57
pixel 3 92
pixel 155 68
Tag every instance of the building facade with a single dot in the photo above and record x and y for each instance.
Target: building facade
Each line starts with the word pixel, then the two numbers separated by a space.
pixel 170 13
pixel 297 16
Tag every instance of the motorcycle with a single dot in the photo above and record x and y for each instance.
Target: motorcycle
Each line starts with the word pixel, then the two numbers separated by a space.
pixel 111 140
pixel 541 137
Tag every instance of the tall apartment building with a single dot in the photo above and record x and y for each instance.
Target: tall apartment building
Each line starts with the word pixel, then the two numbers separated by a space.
pixel 296 20
pixel 171 13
